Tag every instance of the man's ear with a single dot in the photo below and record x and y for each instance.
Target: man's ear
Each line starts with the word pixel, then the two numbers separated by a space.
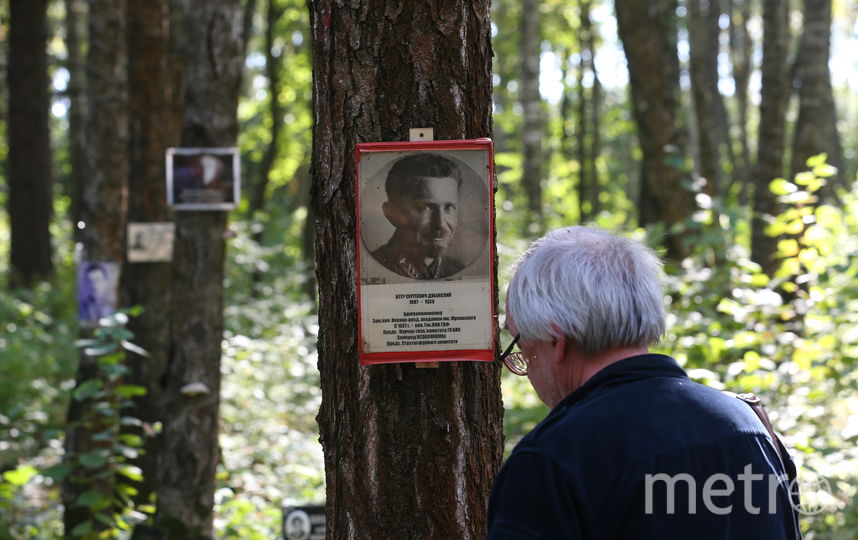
pixel 392 213
pixel 558 349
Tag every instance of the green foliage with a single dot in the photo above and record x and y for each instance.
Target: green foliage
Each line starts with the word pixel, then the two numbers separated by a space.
pixel 102 465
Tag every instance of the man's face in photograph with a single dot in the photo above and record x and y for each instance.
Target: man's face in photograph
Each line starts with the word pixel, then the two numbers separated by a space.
pixel 428 218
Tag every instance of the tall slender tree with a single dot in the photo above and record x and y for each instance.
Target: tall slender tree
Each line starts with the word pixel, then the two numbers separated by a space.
pixel 409 453
pixel 741 48
pixel 209 41
pixel 103 211
pixel 703 37
pixel 75 25
pixel 648 32
pixel 30 201
pixel 774 97
pixel 816 128
pixel 531 104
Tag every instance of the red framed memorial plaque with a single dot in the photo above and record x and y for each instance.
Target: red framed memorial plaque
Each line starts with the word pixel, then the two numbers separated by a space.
pixel 425 266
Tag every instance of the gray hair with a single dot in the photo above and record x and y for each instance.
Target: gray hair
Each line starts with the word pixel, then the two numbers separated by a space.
pixel 599 290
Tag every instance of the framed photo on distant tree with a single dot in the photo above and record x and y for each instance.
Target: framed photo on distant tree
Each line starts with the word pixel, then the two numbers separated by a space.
pixel 203 178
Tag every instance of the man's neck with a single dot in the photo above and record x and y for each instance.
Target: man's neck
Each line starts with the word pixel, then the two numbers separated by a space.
pixel 581 368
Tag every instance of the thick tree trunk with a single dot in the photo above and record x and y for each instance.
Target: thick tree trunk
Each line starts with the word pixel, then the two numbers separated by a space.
pixel 648 32
pixel 409 453
pixel 76 12
pixel 531 104
pixel 816 130
pixel 154 126
pixel 104 207
pixel 774 97
pixel 703 34
pixel 30 202
pixel 212 49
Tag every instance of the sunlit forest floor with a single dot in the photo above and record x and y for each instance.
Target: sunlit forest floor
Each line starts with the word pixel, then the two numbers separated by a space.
pixel 730 326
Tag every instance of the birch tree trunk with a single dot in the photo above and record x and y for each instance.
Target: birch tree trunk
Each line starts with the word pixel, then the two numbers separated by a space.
pixel 409 453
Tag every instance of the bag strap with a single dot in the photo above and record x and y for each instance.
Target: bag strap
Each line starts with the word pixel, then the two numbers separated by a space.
pixel 757 406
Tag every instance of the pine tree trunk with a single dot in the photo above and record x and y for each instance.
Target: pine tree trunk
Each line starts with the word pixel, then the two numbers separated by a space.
pixel 76 12
pixel 209 38
pixel 774 97
pixel 103 211
pixel 816 129
pixel 409 453
pixel 648 32
pixel 30 202
pixel 154 126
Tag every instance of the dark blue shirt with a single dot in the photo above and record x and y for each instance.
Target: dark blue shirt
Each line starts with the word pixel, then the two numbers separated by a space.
pixel 642 452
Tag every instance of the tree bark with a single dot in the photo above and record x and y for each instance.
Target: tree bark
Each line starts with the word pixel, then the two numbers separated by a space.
pixel 76 11
pixel 212 49
pixel 816 129
pixel 741 48
pixel 703 34
pixel 154 126
pixel 104 207
pixel 30 202
pixel 531 104
pixel 774 97
pixel 409 453
pixel 648 32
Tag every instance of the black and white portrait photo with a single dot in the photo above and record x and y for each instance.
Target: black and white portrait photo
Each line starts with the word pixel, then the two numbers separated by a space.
pixel 424 216
pixel 425 268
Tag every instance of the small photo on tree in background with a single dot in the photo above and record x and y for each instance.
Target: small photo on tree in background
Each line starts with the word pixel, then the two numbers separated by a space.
pixel 203 178
pixel 97 284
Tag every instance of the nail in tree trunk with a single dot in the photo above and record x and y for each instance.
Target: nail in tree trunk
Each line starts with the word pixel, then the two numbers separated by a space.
pixel 647 29
pixel 774 97
pixel 409 453
pixel 29 174
pixel 210 43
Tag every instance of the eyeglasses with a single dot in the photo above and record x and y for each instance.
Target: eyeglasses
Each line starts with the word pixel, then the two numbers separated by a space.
pixel 514 360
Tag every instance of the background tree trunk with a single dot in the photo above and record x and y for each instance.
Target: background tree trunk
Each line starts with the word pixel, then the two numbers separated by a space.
pixel 703 34
pixel 76 12
pixel 531 104
pixel 104 207
pixel 30 202
pixel 774 97
pixel 741 48
pixel 154 126
pixel 816 129
pixel 409 453
pixel 648 32
pixel 212 49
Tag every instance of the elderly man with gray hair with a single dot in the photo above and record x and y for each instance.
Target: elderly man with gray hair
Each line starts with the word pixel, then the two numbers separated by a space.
pixel 631 449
